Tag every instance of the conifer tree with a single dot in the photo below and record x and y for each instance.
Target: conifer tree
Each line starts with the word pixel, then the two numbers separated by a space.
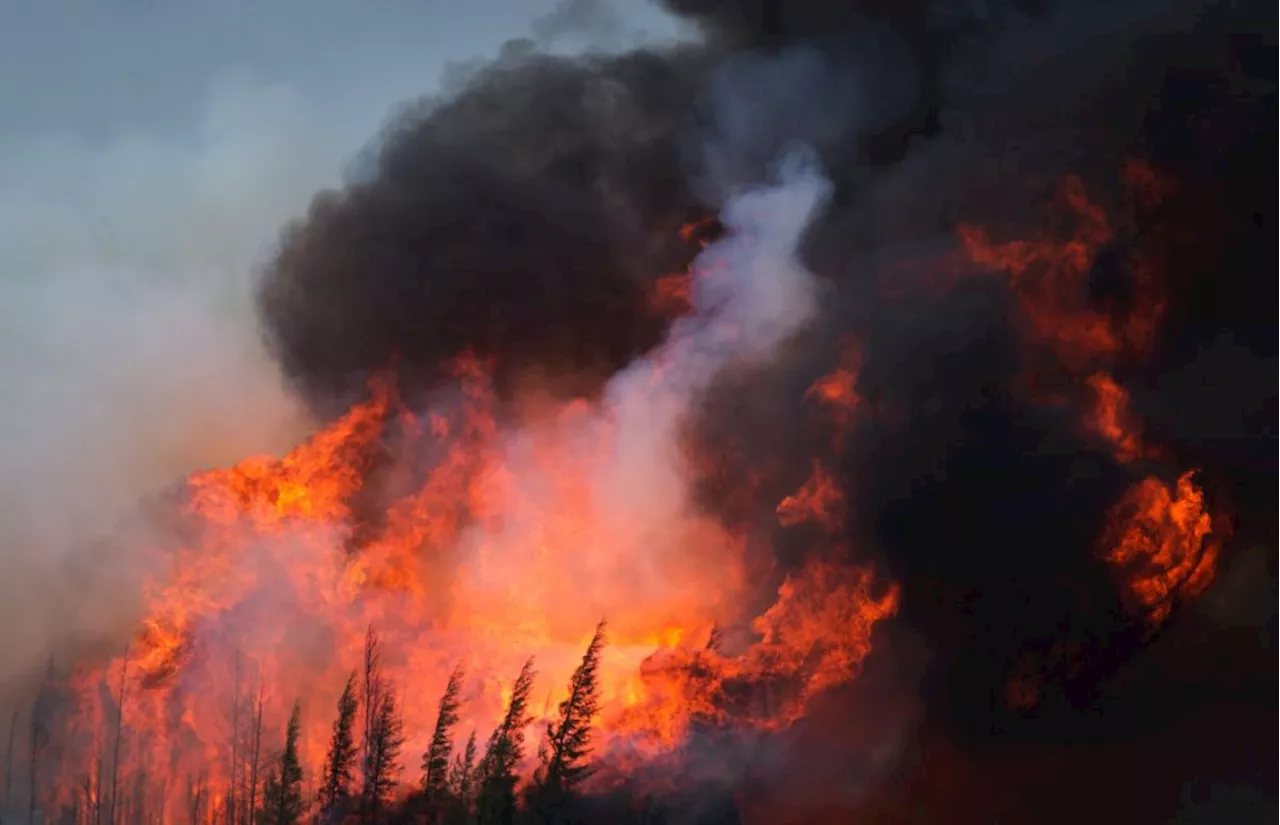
pixel 382 754
pixel 497 800
pixel 568 744
pixel 435 762
pixel 340 761
pixel 462 775
pixel 282 796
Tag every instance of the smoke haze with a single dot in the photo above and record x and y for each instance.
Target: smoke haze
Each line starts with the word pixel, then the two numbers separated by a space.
pixel 183 297
pixel 145 173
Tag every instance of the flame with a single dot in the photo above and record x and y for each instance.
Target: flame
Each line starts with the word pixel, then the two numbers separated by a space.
pixel 1110 418
pixel 1050 278
pixel 817 500
pixel 837 391
pixel 1157 538
pixel 1160 537
pixel 502 539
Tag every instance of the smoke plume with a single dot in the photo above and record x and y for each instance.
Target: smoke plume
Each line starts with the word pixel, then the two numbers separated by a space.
pixel 939 258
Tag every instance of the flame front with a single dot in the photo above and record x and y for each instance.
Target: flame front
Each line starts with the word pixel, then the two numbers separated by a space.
pixel 500 541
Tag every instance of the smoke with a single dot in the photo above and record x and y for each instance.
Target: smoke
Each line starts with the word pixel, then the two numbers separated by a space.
pixel 128 250
pixel 526 212
pixel 130 354
pixel 645 543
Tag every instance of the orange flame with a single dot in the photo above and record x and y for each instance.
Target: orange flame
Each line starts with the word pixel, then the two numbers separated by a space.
pixel 1111 419
pixel 817 500
pixel 508 545
pixel 1051 281
pixel 1160 538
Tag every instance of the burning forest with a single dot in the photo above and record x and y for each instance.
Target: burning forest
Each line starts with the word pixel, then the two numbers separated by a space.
pixel 852 413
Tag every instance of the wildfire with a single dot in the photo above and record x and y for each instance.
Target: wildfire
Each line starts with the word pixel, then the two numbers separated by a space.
pixel 501 541
pixel 1157 538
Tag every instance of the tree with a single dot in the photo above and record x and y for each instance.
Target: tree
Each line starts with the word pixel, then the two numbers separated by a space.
pixel 462 776
pixel 435 762
pixel 115 759
pixel 255 757
pixel 382 754
pixel 282 796
pixel 340 761
pixel 568 745
pixel 372 687
pixel 497 801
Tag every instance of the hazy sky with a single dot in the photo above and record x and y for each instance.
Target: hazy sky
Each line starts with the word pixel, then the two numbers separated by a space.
pixel 150 151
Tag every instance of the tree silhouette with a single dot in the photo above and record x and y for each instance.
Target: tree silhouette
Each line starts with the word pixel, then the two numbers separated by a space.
pixel 382 754
pixel 496 804
pixel 340 761
pixel 462 778
pixel 282 796
pixel 565 754
pixel 435 762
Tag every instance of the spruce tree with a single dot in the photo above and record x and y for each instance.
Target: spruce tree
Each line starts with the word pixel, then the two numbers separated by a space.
pixel 340 761
pixel 497 798
pixel 282 797
pixel 382 754
pixel 435 762
pixel 462 776
pixel 568 744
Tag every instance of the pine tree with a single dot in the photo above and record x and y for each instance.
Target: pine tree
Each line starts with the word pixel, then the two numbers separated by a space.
pixel 282 796
pixel 385 738
pixel 435 762
pixel 382 754
pixel 340 761
pixel 497 799
pixel 462 775
pixel 568 745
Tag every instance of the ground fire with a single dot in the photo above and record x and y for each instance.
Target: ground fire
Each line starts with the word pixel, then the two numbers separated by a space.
pixel 694 446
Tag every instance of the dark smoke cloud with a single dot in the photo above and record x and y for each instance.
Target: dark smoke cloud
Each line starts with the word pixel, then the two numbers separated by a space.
pixel 526 216
pixel 526 219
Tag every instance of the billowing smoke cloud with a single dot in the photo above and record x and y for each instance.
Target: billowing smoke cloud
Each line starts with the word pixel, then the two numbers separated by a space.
pixel 131 354
pixel 527 215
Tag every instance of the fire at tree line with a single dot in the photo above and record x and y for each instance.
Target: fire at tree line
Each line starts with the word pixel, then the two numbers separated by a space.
pixel 461 782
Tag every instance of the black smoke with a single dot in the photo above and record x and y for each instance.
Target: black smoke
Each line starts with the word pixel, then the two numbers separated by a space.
pixel 527 215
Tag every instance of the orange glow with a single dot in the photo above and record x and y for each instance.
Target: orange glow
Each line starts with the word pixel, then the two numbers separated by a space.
pixel 1110 417
pixel 506 541
pixel 1160 539
pixel 818 501
pixel 837 391
pixel 672 295
pixel 1051 280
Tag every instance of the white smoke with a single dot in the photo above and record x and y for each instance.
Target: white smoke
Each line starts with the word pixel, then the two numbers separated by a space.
pixel 616 504
pixel 129 350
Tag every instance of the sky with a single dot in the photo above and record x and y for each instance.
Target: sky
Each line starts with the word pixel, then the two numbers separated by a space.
pixel 150 153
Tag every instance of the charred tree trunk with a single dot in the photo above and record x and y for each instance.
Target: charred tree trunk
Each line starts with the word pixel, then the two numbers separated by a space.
pixel 256 745
pixel 235 746
pixel 115 757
